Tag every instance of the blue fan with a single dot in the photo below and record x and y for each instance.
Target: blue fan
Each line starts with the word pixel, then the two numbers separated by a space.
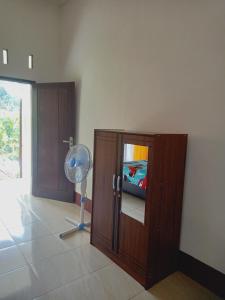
pixel 77 165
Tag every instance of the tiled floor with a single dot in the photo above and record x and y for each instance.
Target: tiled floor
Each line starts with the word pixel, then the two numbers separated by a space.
pixel 36 264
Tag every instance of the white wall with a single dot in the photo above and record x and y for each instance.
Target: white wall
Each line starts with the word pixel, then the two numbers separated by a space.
pixel 30 27
pixel 157 65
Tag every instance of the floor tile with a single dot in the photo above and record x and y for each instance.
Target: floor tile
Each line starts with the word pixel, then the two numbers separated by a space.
pixel 178 286
pixel 59 269
pixel 146 296
pixel 11 259
pixel 48 275
pixel 18 218
pixel 48 213
pixel 18 285
pixel 5 239
pixel 175 287
pixel 69 266
pixel 41 248
pixel 28 232
pixel 9 207
pixel 2 227
pixel 94 287
pixel 93 258
pixel 57 225
pixel 57 294
pixel 87 288
pixel 117 283
pixel 30 202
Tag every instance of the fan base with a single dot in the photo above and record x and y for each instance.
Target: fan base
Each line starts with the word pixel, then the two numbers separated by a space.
pixel 77 227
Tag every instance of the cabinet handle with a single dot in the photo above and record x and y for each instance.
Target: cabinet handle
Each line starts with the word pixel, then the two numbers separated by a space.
pixel 118 184
pixel 113 182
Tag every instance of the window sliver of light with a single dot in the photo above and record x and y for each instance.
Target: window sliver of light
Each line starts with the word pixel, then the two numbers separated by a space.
pixel 30 61
pixel 5 56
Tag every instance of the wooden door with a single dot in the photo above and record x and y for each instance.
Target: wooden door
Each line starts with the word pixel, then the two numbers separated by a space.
pixel 105 169
pixel 53 121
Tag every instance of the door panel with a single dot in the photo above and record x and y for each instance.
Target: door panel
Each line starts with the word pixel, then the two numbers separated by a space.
pixel 133 225
pixel 133 243
pixel 105 162
pixel 66 129
pixel 53 116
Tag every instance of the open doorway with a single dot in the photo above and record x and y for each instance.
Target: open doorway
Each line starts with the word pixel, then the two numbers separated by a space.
pixel 15 132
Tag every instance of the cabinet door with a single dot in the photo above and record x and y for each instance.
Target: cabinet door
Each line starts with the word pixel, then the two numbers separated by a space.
pixel 105 167
pixel 136 167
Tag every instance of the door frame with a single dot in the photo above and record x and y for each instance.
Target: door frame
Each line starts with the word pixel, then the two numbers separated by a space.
pixel 18 80
pixel 34 122
pixel 25 81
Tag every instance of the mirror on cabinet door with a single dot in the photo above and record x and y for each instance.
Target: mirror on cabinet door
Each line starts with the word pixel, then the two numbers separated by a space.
pixel 134 182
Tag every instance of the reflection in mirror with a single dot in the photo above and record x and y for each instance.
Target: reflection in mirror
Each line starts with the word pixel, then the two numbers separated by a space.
pixel 134 184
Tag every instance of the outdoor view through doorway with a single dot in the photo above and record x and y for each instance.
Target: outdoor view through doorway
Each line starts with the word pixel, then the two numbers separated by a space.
pixel 15 131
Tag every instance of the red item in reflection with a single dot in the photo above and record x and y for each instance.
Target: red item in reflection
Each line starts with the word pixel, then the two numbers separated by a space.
pixel 133 171
pixel 143 183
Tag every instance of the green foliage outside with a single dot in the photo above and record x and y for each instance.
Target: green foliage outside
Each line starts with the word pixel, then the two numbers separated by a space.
pixel 7 102
pixel 9 137
pixel 9 132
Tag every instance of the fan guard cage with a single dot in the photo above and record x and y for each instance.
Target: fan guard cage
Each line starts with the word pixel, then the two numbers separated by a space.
pixel 77 163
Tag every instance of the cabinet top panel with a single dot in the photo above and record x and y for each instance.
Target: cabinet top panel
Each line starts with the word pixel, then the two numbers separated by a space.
pixel 123 131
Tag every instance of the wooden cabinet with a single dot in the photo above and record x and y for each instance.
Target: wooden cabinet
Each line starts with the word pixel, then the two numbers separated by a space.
pixel 137 200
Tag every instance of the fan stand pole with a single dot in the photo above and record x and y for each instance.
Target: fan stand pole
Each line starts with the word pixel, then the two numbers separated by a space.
pixel 82 225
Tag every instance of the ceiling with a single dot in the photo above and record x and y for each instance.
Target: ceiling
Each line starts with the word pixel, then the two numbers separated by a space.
pixel 58 2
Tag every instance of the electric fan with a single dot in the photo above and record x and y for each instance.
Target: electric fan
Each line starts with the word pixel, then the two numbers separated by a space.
pixel 77 165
